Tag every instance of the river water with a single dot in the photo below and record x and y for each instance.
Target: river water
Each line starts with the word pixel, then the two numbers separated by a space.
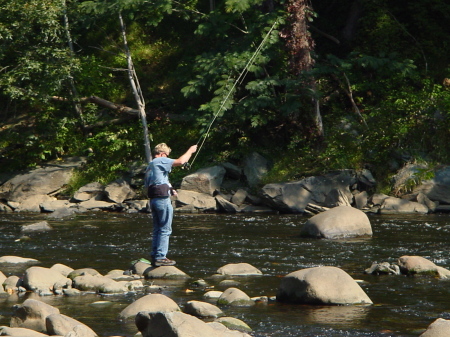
pixel 202 243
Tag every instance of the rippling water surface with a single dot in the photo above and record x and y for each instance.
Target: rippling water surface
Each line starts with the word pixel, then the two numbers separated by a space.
pixel 403 306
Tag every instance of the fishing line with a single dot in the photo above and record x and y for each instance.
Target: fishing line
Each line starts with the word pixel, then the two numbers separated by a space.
pixel 222 105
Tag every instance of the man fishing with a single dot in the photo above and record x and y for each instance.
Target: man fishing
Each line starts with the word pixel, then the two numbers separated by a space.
pixel 159 192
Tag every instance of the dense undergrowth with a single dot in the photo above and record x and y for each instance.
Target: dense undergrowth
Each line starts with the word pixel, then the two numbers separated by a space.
pixel 383 91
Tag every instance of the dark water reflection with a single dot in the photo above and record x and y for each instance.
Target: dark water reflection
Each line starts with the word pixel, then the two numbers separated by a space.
pixel 403 306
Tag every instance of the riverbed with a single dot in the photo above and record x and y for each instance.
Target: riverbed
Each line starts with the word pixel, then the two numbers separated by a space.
pixel 202 243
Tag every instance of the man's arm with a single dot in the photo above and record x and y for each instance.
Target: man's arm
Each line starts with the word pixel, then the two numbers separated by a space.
pixel 185 157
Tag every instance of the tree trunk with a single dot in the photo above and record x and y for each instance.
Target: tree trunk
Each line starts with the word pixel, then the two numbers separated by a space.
pixel 137 92
pixel 300 44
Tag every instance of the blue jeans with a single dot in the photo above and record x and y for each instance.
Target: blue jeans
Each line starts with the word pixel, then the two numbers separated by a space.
pixel 162 213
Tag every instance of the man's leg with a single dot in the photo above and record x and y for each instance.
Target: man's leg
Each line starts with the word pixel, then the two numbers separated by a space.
pixel 162 212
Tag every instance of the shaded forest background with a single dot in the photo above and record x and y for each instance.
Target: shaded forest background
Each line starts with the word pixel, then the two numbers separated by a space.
pixel 336 84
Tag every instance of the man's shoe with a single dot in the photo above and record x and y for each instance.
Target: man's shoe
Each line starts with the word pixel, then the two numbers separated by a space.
pixel 164 262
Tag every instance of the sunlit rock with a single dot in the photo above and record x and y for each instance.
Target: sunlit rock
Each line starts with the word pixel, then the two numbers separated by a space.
pixel 338 222
pixel 58 324
pixel 419 265
pixel 202 309
pixel 151 303
pixel 165 272
pixel 321 285
pixel 180 324
pixel 62 269
pixel 239 269
pixel 40 279
pixel 233 323
pixel 439 328
pixel 20 332
pixel 235 297
pixel 17 259
pixel 206 180
pixel 31 314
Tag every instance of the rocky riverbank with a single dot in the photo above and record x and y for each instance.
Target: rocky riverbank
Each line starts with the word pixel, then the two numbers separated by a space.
pixel 229 188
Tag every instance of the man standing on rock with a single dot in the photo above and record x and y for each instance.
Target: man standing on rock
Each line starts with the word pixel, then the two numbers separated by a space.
pixel 159 192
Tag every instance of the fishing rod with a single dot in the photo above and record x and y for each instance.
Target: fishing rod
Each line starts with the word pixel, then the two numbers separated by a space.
pixel 240 78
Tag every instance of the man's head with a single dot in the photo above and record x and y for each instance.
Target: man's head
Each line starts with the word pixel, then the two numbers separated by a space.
pixel 162 148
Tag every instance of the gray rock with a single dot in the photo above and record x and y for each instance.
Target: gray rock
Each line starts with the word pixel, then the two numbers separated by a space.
pixel 361 199
pixel 321 285
pixel 165 272
pixel 181 325
pixel 234 324
pixel 93 190
pixel 151 303
pixel 202 309
pixel 241 269
pixel 232 171
pixel 40 181
pixel 383 268
pixel 255 168
pixel 293 197
pixel 58 324
pixel 224 205
pixel 40 279
pixel 41 226
pixel 31 314
pixel 239 197
pixel 235 297
pixel 338 222
pixel 17 260
pixel 194 199
pixel 118 191
pixel 412 265
pixel 206 180
pixel 392 205
pixel 20 332
pixel 12 284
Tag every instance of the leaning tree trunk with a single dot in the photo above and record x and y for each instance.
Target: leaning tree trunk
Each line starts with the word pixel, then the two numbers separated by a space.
pixel 300 45
pixel 136 91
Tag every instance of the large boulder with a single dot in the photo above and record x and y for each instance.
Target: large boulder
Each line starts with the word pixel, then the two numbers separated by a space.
pixel 178 324
pixel 293 197
pixel 43 280
pixel 439 328
pixel 200 201
pixel 206 180
pixel 58 324
pixel 40 181
pixel 150 303
pixel 321 285
pixel 31 314
pixel 338 222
